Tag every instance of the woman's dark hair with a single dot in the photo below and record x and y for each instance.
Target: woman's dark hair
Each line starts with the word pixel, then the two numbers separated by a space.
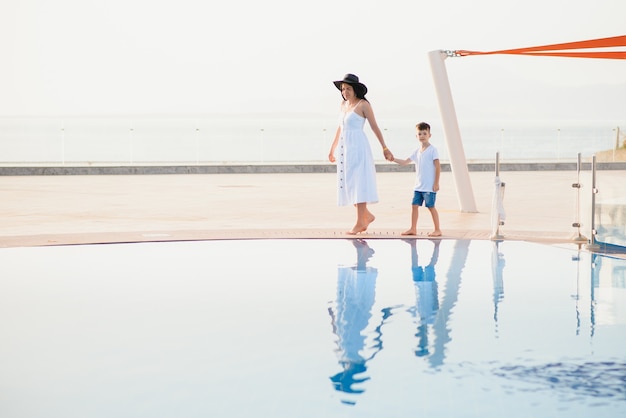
pixel 359 92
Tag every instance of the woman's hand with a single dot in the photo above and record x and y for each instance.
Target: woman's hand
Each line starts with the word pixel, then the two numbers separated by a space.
pixel 388 155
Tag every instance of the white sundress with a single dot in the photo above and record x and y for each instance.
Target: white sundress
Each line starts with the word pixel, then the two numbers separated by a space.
pixel 356 172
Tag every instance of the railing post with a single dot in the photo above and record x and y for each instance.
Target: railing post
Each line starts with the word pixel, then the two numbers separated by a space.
pixel 197 138
pixel 63 142
pixel 497 210
pixel 593 245
pixel 576 224
pixel 131 150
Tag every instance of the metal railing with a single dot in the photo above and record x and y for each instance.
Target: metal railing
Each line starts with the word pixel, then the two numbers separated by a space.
pixel 89 141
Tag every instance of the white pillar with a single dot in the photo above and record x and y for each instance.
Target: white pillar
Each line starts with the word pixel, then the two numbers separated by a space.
pixel 458 164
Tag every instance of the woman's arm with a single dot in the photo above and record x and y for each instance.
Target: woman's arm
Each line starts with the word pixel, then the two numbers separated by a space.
pixel 368 113
pixel 331 154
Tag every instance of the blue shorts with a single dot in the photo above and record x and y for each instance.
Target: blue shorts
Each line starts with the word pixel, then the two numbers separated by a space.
pixel 428 198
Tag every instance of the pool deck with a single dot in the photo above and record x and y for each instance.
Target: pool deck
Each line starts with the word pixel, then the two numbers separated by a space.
pixel 45 210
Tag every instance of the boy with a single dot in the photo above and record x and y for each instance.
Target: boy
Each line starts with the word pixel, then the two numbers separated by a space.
pixel 427 172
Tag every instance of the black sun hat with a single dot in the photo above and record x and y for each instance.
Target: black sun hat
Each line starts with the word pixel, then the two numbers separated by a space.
pixel 353 81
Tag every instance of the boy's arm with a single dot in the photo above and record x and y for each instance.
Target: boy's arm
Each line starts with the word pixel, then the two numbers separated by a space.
pixel 401 161
pixel 437 175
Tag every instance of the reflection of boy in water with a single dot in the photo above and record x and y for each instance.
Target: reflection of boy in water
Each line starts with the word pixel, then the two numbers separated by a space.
pixel 355 298
pixel 427 300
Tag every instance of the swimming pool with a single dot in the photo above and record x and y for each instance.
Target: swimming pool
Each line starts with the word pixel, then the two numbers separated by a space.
pixel 312 328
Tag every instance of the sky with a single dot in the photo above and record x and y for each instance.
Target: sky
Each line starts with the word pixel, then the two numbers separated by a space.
pixel 275 57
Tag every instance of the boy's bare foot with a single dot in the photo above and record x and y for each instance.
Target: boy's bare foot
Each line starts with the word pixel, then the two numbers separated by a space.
pixel 410 232
pixel 436 233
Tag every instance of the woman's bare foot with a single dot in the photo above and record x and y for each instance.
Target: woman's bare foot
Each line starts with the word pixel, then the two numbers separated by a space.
pixel 357 229
pixel 436 233
pixel 360 226
pixel 410 232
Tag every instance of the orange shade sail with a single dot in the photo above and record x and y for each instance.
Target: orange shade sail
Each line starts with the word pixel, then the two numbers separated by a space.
pixel 563 49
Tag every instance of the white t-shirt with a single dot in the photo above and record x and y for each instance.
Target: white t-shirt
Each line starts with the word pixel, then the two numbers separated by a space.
pixel 425 168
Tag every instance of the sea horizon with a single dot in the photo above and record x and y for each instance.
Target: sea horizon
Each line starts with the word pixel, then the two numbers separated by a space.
pixel 278 138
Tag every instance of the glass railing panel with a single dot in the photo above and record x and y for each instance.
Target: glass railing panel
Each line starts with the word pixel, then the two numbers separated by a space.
pixel 610 208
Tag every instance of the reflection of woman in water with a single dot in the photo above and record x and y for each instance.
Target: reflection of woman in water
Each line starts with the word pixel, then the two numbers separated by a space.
pixel 427 299
pixel 355 298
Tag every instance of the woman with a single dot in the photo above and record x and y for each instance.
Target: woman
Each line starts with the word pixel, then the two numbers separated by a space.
pixel 356 172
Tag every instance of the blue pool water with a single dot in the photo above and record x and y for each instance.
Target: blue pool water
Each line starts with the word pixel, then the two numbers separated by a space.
pixel 312 328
